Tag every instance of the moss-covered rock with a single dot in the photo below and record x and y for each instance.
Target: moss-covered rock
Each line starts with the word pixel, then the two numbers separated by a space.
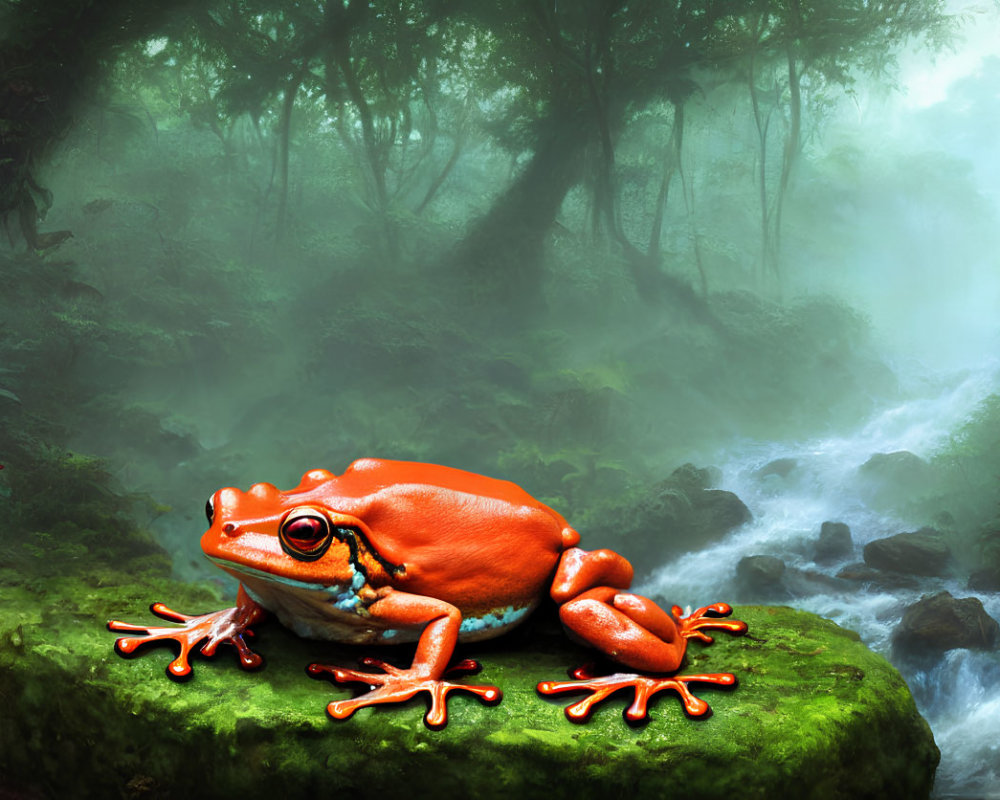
pixel 816 715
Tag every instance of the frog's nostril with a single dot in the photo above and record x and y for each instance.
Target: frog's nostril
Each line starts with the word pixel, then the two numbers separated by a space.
pixel 231 529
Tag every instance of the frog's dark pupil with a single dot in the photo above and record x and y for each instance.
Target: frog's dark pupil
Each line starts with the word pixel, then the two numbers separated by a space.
pixel 305 532
pixel 210 509
pixel 305 536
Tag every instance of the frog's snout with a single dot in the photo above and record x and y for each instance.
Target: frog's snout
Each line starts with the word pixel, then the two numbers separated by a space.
pixel 228 528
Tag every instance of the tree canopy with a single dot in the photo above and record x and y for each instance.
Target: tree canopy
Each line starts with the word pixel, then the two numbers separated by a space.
pixel 404 89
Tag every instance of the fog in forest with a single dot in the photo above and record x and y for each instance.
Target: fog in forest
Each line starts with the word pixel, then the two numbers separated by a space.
pixel 577 246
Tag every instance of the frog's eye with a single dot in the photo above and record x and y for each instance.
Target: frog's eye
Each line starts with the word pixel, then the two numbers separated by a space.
pixel 210 509
pixel 305 534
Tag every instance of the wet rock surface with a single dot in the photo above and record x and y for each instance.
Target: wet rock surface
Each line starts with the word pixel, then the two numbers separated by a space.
pixel 986 579
pixel 894 480
pixel 888 581
pixel 680 514
pixel 922 552
pixel 834 543
pixel 940 622
pixel 760 573
pixel 781 467
pixel 769 577
pixel 775 476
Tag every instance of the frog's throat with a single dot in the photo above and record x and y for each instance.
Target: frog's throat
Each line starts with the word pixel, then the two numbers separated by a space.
pixel 337 612
pixel 341 596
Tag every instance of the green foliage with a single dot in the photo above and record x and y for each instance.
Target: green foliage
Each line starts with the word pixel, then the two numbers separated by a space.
pixel 971 485
pixel 263 274
pixel 66 515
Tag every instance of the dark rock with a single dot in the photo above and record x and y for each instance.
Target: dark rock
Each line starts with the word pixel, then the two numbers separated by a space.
pixel 689 478
pixel 768 577
pixel 918 553
pixel 940 622
pixel 986 579
pixel 834 542
pixel 899 467
pixel 781 467
pixel 806 583
pixel 760 573
pixel 676 516
pixel 717 512
pixel 890 581
pixel 894 478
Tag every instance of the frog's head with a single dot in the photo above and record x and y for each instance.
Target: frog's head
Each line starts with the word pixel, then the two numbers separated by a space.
pixel 282 536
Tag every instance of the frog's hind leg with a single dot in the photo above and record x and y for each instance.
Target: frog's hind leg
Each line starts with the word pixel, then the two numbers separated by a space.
pixel 632 630
pixel 590 588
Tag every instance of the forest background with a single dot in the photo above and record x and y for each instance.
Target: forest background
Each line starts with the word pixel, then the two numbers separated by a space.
pixel 573 244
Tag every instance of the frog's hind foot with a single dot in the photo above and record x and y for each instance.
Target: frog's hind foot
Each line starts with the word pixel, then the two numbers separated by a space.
pixel 218 627
pixel 643 686
pixel 395 685
pixel 690 627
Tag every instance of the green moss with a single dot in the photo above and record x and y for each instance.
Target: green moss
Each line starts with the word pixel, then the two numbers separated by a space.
pixel 814 706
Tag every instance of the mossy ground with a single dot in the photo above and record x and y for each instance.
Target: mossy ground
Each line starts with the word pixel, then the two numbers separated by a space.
pixel 816 714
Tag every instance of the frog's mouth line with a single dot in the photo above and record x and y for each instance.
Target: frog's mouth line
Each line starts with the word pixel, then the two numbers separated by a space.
pixel 238 570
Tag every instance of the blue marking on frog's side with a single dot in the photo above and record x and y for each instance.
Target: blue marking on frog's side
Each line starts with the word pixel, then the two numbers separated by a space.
pixel 502 618
pixel 346 598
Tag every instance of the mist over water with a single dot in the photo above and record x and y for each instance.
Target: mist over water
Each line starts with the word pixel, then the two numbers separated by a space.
pixel 959 696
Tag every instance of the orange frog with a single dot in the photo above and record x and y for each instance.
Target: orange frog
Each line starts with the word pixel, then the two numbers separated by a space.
pixel 395 551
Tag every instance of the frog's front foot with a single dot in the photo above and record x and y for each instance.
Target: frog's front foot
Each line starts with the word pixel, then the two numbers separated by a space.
pixel 395 685
pixel 644 686
pixel 227 626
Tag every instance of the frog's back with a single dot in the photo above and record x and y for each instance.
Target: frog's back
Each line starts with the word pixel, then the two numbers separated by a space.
pixel 478 542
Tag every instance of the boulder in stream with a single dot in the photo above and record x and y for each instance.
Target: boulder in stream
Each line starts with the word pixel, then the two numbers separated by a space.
pixel 940 622
pixel 678 515
pixel 763 577
pixel 891 479
pixel 780 467
pixel 922 552
pixel 834 543
pixel 760 574
pixel 985 579
pixel 883 580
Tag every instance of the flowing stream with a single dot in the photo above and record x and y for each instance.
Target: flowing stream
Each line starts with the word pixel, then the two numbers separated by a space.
pixel 960 694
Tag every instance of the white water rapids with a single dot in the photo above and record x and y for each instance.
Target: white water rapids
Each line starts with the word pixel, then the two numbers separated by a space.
pixel 960 696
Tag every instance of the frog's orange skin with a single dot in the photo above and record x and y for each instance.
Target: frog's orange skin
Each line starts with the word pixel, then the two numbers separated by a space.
pixel 395 551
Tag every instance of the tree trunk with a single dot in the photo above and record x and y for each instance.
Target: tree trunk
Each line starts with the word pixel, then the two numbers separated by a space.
pixel 284 135
pixel 375 156
pixel 458 143
pixel 502 253
pixel 671 161
pixel 793 145
pixel 762 123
